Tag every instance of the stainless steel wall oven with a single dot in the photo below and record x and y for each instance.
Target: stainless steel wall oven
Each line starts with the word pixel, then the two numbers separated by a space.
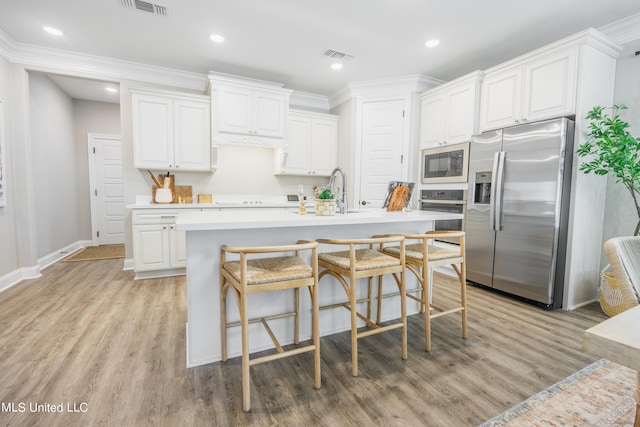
pixel 452 201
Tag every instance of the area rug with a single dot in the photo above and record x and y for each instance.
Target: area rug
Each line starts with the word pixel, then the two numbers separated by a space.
pixel 602 394
pixel 91 253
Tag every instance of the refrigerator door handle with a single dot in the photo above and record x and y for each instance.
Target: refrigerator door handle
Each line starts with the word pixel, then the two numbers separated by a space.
pixel 492 196
pixel 499 183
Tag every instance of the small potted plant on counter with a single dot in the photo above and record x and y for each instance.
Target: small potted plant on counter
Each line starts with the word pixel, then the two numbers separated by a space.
pixel 325 201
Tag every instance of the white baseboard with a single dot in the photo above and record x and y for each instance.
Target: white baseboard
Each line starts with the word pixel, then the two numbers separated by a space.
pixel 128 264
pixel 33 272
pixel 56 256
pixel 17 276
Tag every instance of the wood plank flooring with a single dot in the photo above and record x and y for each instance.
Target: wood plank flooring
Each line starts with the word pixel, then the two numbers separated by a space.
pixel 87 335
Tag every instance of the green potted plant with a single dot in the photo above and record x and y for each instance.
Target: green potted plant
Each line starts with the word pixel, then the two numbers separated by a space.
pixel 610 148
pixel 325 201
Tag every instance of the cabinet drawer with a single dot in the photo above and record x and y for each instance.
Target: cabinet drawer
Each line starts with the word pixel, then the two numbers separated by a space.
pixel 156 217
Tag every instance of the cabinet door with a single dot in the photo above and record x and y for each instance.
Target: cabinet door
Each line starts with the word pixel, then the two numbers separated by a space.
pixel 192 135
pixel 269 114
pixel 324 146
pixel 501 99
pixel 152 132
pixel 150 247
pixel 177 247
pixel 432 122
pixel 460 114
pixel 550 87
pixel 234 114
pixel 298 144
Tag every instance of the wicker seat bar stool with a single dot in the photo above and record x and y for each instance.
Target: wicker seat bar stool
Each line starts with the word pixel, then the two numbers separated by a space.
pixel 358 262
pixel 259 274
pixel 420 258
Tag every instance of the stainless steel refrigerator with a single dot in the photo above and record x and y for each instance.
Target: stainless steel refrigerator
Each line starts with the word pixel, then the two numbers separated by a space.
pixel 518 209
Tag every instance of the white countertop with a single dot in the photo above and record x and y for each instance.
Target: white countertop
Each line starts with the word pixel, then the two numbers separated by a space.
pixel 222 220
pixel 216 205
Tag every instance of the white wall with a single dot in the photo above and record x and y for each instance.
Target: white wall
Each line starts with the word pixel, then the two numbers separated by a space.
pixel 620 213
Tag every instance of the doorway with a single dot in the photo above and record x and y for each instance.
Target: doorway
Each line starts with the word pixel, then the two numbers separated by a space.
pixel 107 189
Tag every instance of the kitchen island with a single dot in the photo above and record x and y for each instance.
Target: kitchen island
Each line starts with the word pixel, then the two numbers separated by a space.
pixel 207 231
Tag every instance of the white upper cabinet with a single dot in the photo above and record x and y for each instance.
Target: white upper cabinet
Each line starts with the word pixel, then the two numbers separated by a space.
pixel 449 112
pixel 538 87
pixel 171 131
pixel 311 145
pixel 250 113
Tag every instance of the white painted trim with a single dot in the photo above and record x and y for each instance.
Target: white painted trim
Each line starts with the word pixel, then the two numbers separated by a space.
pixel 56 256
pixel 17 276
pixel 590 36
pixel 309 100
pixel 623 31
pixel 393 86
pixel 128 264
pixel 92 66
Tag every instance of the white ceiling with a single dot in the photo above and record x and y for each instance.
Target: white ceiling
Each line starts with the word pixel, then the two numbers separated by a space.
pixel 284 40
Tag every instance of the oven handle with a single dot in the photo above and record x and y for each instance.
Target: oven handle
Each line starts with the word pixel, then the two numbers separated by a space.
pixel 444 202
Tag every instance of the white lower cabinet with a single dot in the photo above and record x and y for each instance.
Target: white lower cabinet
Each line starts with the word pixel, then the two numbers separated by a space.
pixel 158 248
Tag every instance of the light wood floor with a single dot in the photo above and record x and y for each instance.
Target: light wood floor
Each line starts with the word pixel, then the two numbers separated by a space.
pixel 86 333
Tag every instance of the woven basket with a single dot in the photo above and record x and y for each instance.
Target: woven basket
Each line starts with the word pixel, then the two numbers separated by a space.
pixel 325 207
pixel 612 298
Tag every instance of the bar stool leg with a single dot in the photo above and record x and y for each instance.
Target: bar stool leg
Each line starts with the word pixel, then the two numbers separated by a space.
pixel 354 327
pixel 296 324
pixel 426 300
pixel 246 381
pixel 403 312
pixel 223 319
pixel 315 331
pixel 463 294
pixel 379 310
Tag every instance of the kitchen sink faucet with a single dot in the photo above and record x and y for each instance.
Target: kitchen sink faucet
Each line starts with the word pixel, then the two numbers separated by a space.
pixel 342 201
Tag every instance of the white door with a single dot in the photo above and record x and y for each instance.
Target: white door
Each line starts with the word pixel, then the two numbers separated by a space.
pixel 107 190
pixel 382 150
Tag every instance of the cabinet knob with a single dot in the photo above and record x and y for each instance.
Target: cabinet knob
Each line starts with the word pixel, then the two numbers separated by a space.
pixel 164 228
pixel 363 203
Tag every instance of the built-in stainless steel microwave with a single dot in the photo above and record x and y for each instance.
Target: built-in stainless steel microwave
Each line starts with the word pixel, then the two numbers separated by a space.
pixel 445 164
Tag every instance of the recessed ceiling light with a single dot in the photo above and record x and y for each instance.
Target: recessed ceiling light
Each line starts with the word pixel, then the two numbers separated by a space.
pixel 111 89
pixel 52 31
pixel 217 38
pixel 336 66
pixel 432 43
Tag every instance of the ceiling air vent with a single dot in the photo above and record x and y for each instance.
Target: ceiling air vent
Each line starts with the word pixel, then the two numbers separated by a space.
pixel 337 55
pixel 146 6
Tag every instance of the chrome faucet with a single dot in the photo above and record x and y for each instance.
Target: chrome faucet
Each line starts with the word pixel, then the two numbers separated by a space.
pixel 342 201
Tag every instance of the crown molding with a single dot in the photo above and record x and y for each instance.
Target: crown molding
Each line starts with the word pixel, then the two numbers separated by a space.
pixel 393 85
pixel 624 31
pixel 65 62
pixel 416 83
pixel 309 100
